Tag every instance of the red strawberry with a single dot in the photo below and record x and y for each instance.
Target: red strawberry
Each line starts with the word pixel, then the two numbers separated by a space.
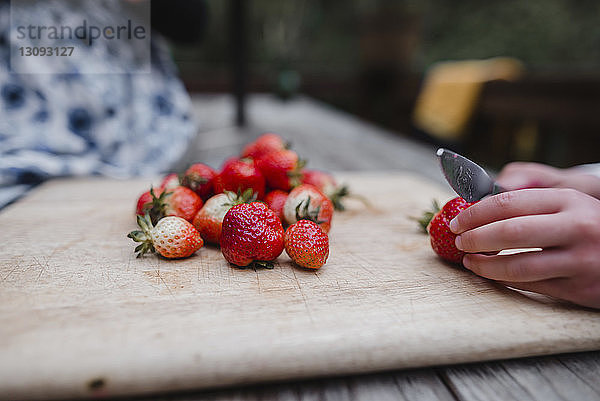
pixel 306 201
pixel 184 203
pixel 233 160
pixel 209 219
pixel 252 234
pixel 199 178
pixel 282 169
pixel 144 202
pixel 238 176
pixel 181 202
pixel 306 244
pixel 320 179
pixel 266 143
pixel 171 181
pixel 326 184
pixel 173 237
pixel 276 200
pixel 442 239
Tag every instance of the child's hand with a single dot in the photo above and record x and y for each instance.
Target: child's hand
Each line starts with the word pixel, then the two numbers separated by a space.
pixel 565 223
pixel 534 175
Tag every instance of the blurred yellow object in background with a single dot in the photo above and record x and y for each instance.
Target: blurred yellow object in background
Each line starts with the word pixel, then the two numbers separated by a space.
pixel 450 92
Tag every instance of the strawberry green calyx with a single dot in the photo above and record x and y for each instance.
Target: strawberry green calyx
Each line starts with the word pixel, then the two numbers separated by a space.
pixel 248 196
pixel 303 212
pixel 143 236
pixel 337 196
pixel 425 219
pixel 295 175
pixel 265 264
pixel 342 192
pixel 258 264
pixel 159 206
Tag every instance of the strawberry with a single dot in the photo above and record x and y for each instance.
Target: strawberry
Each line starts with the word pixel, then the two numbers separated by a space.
pixel 306 201
pixel 282 169
pixel 442 239
pixel 199 178
pixel 252 234
pixel 326 184
pixel 238 176
pixel 306 244
pixel 265 143
pixel 170 181
pixel 209 219
pixel 144 202
pixel 275 200
pixel 320 179
pixel 173 237
pixel 181 202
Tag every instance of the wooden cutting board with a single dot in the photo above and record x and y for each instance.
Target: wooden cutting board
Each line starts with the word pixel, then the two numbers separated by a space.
pixel 81 316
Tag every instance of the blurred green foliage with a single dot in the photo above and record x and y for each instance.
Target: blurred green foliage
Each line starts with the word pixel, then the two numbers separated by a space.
pixel 329 36
pixel 542 33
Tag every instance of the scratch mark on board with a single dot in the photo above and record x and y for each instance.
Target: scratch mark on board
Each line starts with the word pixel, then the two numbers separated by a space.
pixel 257 281
pixel 303 297
pixel 42 266
pixel 164 282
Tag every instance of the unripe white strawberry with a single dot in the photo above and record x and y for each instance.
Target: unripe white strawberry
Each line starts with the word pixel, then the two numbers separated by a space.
pixel 307 202
pixel 173 237
pixel 209 219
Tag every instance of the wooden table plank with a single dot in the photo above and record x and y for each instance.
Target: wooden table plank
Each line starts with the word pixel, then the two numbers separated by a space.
pixel 422 385
pixel 268 114
pixel 586 366
pixel 328 138
pixel 571 377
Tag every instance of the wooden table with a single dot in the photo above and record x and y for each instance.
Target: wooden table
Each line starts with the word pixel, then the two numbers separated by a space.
pixel 337 141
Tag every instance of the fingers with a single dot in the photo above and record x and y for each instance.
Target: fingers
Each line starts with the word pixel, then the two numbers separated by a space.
pixel 528 175
pixel 568 289
pixel 542 231
pixel 522 267
pixel 508 205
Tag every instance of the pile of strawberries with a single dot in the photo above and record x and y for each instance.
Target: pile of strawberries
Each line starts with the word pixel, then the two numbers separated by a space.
pixel 243 209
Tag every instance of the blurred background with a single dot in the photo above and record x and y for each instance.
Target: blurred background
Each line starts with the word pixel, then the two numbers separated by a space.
pixel 380 60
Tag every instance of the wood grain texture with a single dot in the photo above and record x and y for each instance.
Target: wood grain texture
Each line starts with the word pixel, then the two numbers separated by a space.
pixel 83 317
pixel 541 379
pixel 419 385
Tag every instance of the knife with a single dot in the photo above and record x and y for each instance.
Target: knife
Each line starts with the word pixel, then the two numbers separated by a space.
pixel 469 180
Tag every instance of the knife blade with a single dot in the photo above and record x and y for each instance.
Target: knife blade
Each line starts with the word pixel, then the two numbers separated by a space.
pixel 468 179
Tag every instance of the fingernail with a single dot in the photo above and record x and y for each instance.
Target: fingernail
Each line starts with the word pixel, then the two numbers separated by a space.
pixel 458 242
pixel 466 261
pixel 453 225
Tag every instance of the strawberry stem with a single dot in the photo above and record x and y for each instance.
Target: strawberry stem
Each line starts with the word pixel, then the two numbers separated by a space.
pixel 159 205
pixel 261 264
pixel 338 195
pixel 143 236
pixel 306 214
pixel 265 264
pixel 248 196
pixel 425 219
